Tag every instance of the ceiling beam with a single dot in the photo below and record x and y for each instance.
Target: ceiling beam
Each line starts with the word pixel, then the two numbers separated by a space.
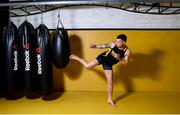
pixel 66 2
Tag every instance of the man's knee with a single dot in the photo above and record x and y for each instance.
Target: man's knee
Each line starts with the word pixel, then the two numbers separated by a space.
pixel 91 64
pixel 110 82
pixel 88 67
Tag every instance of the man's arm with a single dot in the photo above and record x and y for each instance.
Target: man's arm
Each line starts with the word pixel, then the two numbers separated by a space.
pixel 126 58
pixel 101 46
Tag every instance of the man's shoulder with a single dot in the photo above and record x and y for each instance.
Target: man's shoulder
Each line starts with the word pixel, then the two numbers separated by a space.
pixel 112 44
pixel 128 51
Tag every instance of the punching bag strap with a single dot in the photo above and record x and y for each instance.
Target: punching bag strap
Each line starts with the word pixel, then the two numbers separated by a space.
pixel 10 19
pixel 10 8
pixel 42 21
pixel 59 20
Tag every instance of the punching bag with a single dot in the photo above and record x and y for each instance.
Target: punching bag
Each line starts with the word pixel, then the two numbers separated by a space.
pixel 4 11
pixel 27 36
pixel 11 56
pixel 43 60
pixel 60 48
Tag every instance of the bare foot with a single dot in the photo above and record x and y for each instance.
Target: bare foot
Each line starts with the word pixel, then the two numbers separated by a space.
pixel 112 103
pixel 72 56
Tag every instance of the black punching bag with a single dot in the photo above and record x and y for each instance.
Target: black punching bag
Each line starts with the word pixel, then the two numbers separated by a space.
pixel 60 48
pixel 11 56
pixel 43 60
pixel 27 36
pixel 4 11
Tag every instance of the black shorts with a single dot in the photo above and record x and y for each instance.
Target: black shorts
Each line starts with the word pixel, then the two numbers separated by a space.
pixel 105 63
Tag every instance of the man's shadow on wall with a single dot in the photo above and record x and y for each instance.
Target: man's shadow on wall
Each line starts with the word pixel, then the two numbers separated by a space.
pixel 141 65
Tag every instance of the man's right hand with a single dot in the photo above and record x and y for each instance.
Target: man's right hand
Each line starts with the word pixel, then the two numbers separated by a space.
pixel 93 46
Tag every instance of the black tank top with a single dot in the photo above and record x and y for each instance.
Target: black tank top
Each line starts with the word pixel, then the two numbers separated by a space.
pixel 115 50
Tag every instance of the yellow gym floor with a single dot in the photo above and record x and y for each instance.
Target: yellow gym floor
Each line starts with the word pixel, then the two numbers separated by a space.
pixel 94 102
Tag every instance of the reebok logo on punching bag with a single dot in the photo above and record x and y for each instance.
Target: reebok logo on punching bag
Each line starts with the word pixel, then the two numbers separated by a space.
pixel 38 50
pixel 26 46
pixel 27 57
pixel 15 57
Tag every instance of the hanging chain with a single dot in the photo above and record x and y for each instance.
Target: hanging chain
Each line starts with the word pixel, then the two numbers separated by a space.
pixel 59 19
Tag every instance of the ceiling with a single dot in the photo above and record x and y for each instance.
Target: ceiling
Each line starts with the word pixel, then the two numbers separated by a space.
pixel 32 7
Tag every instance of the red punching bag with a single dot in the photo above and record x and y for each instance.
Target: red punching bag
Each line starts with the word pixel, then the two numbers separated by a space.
pixel 27 36
pixel 43 60
pixel 60 47
pixel 11 56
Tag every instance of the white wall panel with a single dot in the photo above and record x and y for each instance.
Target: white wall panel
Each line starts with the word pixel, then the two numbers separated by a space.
pixel 100 17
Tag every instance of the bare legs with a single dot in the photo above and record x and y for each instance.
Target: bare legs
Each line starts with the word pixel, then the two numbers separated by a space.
pixel 84 62
pixel 108 74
